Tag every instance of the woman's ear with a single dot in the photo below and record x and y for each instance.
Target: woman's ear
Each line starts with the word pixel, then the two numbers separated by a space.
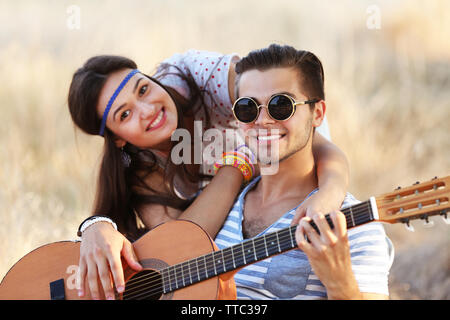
pixel 120 143
pixel 319 113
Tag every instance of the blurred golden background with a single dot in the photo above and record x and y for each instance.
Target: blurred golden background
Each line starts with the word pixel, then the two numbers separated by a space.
pixel 387 71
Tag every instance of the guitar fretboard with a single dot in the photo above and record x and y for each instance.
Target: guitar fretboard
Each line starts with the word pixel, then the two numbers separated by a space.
pixel 249 251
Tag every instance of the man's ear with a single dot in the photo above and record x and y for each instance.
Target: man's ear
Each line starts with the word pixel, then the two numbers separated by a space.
pixel 319 113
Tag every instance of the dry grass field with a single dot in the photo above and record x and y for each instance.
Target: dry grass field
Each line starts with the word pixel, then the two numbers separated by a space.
pixel 387 71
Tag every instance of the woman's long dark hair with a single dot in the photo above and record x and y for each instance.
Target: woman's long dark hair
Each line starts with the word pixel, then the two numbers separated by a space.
pixel 115 193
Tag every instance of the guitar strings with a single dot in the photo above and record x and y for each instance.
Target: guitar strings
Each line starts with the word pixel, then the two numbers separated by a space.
pixel 356 213
pixel 176 274
pixel 163 278
pixel 149 289
pixel 148 293
pixel 149 280
pixel 348 220
pixel 152 289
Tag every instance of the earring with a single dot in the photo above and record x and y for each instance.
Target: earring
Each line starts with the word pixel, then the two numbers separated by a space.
pixel 126 159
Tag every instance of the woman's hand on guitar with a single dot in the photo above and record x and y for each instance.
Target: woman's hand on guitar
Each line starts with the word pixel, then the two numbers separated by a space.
pixel 100 260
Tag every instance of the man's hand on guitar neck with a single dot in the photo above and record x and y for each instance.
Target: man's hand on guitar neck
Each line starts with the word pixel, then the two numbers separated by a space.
pixel 329 255
pixel 100 259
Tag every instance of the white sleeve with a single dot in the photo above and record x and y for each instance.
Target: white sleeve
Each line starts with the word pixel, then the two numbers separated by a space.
pixel 209 71
pixel 371 255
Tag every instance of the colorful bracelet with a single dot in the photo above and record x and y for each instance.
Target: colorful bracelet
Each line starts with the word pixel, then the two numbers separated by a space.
pixel 246 151
pixel 238 160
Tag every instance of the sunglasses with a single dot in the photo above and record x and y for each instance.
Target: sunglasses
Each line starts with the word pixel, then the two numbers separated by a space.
pixel 280 107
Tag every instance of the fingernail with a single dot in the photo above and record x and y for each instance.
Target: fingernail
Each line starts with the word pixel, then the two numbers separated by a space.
pixel 120 289
pixel 80 293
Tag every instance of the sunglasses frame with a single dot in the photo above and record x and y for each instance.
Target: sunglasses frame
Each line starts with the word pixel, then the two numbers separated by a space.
pixel 259 106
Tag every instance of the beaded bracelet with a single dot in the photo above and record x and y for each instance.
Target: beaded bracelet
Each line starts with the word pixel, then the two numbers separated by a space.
pixel 238 160
pixel 246 151
pixel 91 220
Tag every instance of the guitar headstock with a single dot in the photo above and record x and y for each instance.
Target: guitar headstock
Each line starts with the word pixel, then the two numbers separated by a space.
pixel 419 201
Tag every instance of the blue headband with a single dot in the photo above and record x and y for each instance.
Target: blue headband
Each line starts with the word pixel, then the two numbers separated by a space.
pixel 113 97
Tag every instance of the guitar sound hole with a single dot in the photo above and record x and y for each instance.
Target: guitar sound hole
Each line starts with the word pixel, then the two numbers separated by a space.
pixel 144 285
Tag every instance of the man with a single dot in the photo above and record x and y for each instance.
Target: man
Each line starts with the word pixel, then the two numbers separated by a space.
pixel 280 100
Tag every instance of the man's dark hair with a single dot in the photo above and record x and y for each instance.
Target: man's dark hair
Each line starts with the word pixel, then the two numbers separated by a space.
pixel 308 66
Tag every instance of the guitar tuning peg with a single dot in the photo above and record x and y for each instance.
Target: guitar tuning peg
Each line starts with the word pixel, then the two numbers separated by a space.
pixel 417 182
pixel 398 188
pixel 445 217
pixel 408 226
pixel 427 223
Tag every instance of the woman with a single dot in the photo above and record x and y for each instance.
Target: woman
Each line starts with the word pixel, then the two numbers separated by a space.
pixel 139 183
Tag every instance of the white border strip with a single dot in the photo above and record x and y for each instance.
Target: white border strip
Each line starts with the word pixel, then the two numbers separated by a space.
pixel 373 204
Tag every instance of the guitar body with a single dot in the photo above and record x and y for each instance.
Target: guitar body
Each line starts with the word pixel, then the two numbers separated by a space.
pixel 50 271
pixel 30 277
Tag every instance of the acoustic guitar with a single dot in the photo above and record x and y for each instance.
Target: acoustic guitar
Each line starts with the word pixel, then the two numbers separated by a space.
pixel 181 261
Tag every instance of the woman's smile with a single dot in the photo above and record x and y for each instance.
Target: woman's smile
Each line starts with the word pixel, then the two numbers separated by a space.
pixel 158 121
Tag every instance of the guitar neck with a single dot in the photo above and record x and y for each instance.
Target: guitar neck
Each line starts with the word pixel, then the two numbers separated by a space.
pixel 252 250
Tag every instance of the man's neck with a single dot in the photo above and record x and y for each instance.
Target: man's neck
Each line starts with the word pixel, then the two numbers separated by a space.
pixel 296 178
pixel 274 195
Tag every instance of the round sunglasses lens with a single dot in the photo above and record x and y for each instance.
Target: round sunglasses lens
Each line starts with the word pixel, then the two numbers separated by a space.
pixel 245 110
pixel 280 107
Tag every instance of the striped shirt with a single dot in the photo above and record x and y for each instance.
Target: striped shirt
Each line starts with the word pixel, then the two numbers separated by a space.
pixel 290 276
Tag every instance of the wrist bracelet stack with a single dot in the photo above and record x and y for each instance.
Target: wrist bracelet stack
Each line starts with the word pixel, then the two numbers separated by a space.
pixel 238 160
pixel 91 220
